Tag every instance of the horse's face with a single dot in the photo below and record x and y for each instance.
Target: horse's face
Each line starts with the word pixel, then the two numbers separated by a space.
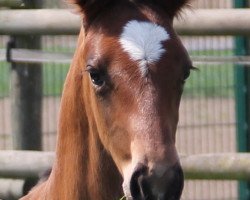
pixel 135 71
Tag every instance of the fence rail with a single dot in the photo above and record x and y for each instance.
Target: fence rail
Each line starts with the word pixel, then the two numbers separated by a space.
pixel 63 22
pixel 230 166
pixel 24 164
pixel 18 165
pixel 37 56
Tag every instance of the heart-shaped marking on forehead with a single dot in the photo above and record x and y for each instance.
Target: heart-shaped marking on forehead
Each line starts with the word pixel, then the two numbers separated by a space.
pixel 143 42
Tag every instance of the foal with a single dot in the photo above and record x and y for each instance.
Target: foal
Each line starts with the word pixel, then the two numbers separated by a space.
pixel 119 109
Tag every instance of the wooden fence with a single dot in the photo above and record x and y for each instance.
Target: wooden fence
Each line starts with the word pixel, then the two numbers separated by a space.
pixel 63 22
pixel 220 166
pixel 18 165
pixel 38 56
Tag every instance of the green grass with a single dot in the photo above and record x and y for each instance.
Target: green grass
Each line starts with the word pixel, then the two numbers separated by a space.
pixel 209 80
pixel 212 80
pixel 212 52
pixel 53 78
pixel 4 79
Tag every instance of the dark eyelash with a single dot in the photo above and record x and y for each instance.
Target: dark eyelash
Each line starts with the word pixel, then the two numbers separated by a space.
pixel 193 68
pixel 188 72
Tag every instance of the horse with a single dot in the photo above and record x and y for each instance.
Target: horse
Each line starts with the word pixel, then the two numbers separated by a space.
pixel 119 107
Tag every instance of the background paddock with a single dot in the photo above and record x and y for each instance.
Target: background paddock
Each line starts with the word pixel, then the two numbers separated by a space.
pixel 209 120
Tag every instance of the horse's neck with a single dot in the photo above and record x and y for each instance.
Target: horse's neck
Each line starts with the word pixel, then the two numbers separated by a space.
pixel 83 169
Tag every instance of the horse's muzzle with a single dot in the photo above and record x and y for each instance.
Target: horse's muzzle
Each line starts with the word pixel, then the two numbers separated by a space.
pixel 147 186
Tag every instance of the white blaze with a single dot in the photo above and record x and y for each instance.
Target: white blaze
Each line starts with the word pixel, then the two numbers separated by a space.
pixel 143 42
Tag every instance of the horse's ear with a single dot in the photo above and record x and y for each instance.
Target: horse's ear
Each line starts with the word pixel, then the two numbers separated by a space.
pixel 172 7
pixel 89 8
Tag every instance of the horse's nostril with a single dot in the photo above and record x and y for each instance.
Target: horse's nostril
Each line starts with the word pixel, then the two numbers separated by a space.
pixel 139 185
pixel 175 184
pixel 135 182
pixel 146 190
pixel 146 187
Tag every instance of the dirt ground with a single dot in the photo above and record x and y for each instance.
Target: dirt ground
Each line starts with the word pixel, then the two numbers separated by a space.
pixel 205 126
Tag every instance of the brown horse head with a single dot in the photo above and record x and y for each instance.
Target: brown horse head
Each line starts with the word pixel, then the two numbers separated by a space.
pixel 136 68
pixel 120 104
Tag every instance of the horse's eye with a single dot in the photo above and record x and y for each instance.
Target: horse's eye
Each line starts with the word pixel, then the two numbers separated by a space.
pixel 186 74
pixel 96 76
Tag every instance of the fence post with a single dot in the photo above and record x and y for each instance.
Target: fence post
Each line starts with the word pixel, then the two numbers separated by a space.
pixel 26 93
pixel 242 95
pixel 26 96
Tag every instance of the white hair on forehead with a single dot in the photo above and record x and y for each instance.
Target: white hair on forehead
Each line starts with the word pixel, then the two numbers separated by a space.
pixel 143 42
